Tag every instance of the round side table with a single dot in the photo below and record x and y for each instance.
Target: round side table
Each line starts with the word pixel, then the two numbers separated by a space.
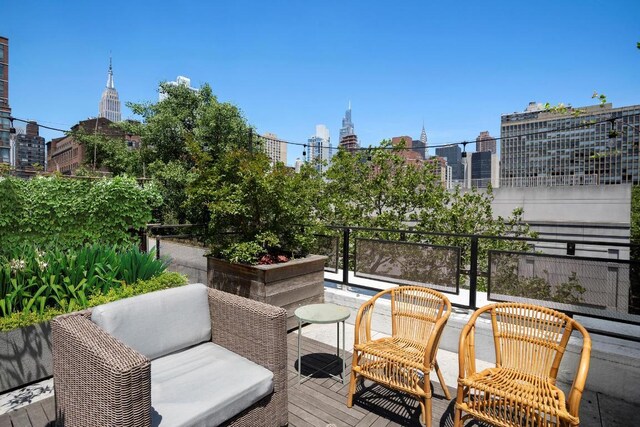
pixel 323 313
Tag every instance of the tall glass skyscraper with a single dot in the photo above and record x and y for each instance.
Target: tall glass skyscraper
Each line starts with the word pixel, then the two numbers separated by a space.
pixel 110 102
pixel 319 148
pixel 5 110
pixel 348 137
pixel 453 154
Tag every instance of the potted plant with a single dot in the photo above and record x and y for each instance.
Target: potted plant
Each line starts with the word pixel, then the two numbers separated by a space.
pixel 258 246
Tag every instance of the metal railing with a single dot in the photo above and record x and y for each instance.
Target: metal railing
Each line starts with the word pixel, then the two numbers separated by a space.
pixel 603 285
pixel 592 278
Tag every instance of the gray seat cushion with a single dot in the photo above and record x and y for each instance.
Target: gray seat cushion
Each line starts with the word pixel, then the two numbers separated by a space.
pixel 204 386
pixel 158 323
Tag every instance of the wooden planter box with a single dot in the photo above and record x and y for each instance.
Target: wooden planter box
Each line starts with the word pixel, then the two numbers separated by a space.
pixel 25 356
pixel 288 285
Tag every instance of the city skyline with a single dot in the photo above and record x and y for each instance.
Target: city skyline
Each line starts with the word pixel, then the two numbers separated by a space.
pixel 304 78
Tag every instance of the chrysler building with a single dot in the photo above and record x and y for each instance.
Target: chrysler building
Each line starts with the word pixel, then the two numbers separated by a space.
pixel 110 103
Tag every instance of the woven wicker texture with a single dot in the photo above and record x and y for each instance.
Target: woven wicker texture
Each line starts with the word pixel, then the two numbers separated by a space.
pixel 258 332
pixel 101 382
pixel 521 390
pixel 404 360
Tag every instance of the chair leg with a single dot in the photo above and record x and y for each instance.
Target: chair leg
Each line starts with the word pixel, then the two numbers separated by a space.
pixel 426 411
pixel 447 395
pixel 352 388
pixel 353 377
pixel 425 403
pixel 457 419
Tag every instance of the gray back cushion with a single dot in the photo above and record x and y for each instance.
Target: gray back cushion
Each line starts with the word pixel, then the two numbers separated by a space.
pixel 158 323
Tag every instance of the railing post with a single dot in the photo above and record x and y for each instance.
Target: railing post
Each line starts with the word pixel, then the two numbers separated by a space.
pixel 346 232
pixel 142 234
pixel 473 273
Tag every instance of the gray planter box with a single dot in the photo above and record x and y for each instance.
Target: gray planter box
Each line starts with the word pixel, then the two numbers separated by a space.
pixel 25 356
pixel 288 285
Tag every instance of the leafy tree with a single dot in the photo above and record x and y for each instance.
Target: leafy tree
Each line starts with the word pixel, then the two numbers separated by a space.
pixel 104 152
pixel 377 188
pixel 185 130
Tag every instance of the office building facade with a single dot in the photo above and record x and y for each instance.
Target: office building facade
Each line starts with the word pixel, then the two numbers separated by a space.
pixel 485 142
pixel 29 150
pixel 274 148
pixel 5 110
pixel 319 148
pixel 594 145
pixel 453 155
pixel 109 107
pixel 180 81
pixel 481 169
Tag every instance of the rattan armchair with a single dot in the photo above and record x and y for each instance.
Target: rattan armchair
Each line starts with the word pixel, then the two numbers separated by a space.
pixel 521 390
pixel 404 360
pixel 99 381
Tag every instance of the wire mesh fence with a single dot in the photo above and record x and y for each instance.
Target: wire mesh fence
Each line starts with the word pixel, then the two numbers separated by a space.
pixel 327 246
pixel 408 263
pixel 591 286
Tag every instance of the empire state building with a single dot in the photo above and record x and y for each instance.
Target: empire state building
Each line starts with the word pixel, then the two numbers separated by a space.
pixel 110 102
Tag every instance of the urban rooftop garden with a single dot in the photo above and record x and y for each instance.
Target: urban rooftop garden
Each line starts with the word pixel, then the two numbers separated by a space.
pixel 73 249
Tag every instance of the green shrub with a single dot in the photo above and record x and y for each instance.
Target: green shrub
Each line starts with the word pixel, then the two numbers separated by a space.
pixel 254 208
pixel 165 280
pixel 73 212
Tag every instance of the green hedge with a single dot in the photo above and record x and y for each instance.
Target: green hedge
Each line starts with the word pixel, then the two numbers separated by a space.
pixel 164 281
pixel 73 211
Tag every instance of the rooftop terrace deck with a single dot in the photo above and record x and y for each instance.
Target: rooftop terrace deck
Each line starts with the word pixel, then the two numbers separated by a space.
pixel 321 401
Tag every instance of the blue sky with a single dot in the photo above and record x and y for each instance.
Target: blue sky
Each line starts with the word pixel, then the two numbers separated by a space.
pixel 290 65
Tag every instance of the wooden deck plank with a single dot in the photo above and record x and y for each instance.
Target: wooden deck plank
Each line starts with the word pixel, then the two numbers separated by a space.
pixel 5 420
pixel 37 416
pixel 323 412
pixel 49 406
pixel 295 421
pixel 317 402
pixel 19 417
pixel 306 416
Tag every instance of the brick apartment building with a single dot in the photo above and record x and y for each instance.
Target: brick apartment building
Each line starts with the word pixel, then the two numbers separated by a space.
pixel 412 157
pixel 66 155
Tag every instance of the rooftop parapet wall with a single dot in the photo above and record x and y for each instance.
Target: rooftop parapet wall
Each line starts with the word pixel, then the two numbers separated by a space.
pixel 593 204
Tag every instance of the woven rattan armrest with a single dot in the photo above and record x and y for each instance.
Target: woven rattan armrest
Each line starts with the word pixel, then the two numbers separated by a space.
pixel 250 328
pixel 258 332
pixel 363 320
pixel 466 346
pixel 98 380
pixel 579 381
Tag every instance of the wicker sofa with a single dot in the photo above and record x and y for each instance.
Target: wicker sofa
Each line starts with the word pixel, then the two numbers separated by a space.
pixel 189 356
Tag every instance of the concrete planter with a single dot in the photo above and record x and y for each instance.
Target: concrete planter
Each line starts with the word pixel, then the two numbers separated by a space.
pixel 25 356
pixel 288 285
